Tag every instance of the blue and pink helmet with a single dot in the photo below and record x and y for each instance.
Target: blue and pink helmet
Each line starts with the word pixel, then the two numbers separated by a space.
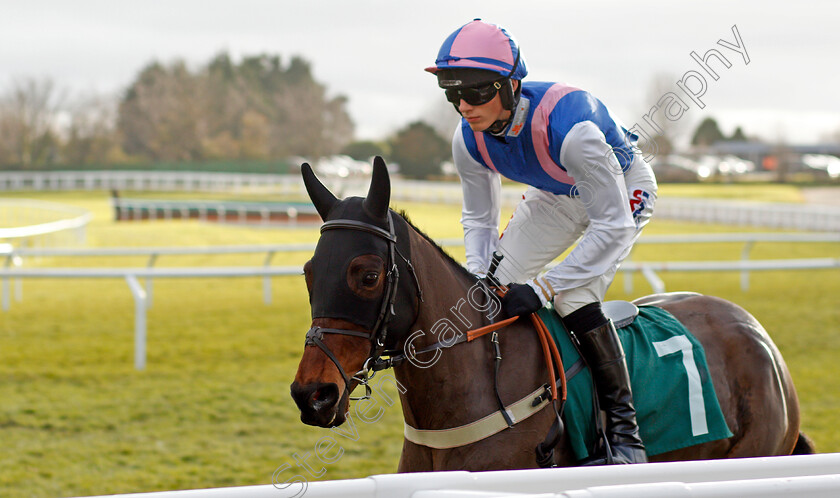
pixel 480 45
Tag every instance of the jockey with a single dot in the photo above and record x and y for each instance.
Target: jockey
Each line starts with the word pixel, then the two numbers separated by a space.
pixel 586 180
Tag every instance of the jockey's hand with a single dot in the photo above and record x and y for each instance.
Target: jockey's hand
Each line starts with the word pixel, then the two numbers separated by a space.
pixel 520 299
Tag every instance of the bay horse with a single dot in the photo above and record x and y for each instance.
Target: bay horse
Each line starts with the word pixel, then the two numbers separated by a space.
pixel 378 287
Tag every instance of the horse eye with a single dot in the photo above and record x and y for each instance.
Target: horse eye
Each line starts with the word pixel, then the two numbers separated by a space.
pixel 370 278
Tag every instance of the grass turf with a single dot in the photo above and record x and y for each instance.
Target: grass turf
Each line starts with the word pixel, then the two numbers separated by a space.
pixel 212 408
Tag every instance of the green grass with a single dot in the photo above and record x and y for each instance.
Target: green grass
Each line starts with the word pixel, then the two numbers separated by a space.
pixel 735 191
pixel 213 408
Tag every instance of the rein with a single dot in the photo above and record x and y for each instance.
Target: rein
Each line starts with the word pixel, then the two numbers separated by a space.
pixel 505 417
pixel 550 352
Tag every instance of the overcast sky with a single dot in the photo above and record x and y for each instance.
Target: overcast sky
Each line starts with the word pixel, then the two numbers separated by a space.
pixel 374 52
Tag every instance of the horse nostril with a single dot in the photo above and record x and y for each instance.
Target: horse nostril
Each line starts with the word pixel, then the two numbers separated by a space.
pixel 324 396
pixel 315 398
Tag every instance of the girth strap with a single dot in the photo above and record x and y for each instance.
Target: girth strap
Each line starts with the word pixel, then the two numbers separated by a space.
pixel 483 428
pixel 506 416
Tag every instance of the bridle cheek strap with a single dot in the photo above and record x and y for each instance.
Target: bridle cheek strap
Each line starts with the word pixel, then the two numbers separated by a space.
pixel 380 328
pixel 379 332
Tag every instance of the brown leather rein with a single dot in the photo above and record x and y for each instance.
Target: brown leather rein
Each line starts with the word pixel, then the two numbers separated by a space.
pixel 550 352
pixel 375 362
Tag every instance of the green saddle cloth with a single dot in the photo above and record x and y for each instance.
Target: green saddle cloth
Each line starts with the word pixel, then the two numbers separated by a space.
pixel 675 400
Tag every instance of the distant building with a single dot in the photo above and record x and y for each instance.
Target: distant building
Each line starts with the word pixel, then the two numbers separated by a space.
pixel 768 157
pixel 757 160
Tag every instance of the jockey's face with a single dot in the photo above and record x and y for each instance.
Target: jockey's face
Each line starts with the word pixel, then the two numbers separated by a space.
pixel 481 117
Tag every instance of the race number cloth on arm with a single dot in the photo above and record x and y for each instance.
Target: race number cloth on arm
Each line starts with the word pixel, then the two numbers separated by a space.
pixel 481 209
pixel 599 183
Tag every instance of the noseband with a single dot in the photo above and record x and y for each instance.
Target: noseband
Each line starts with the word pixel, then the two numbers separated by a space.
pixel 378 335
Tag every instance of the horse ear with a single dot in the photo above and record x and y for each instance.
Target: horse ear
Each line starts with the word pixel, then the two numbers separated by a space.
pixel 379 194
pixel 321 197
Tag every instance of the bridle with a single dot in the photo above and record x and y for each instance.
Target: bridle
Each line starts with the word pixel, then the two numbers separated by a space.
pixel 378 335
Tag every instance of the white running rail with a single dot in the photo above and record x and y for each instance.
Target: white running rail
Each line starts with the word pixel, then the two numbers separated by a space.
pixel 23 220
pixel 131 276
pixel 810 476
pixel 143 296
pixel 777 215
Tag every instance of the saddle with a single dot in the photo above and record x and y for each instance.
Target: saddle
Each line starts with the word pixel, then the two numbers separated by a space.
pixel 676 405
pixel 622 313
pixel 675 400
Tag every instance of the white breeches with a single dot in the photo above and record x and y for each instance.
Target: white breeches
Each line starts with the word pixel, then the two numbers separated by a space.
pixel 545 225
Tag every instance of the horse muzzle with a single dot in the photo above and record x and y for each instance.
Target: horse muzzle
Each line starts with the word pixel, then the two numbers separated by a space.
pixel 319 403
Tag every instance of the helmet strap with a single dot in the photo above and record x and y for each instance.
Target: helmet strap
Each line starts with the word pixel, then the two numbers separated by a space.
pixel 497 129
pixel 510 99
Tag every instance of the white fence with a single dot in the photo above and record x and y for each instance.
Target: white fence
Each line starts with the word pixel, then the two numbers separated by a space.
pixel 131 276
pixel 15 257
pixel 180 181
pixel 775 215
pixel 35 223
pixel 141 302
pixel 764 214
pixel 804 217
pixel 12 269
pixel 749 240
pixel 812 476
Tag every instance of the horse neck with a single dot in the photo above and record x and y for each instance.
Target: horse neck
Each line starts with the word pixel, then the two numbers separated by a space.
pixel 450 294
pixel 436 390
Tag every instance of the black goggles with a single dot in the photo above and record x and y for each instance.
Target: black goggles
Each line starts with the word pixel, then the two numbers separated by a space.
pixel 475 95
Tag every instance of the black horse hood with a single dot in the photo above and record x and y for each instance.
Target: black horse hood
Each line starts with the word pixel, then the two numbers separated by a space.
pixel 331 295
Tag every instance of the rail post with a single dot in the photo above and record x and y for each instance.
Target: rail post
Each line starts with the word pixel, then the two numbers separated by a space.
pixel 267 278
pixel 149 280
pixel 139 321
pixel 745 256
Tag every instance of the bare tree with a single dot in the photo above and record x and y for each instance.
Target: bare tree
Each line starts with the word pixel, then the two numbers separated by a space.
pixel 257 109
pixel 91 136
pixel 28 114
pixel 441 116
pixel 338 127
pixel 664 113
pixel 162 115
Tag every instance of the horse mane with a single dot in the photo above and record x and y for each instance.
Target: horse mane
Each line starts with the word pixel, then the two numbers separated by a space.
pixel 446 256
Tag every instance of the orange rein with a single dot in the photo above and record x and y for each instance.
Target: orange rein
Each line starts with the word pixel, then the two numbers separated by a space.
pixel 550 352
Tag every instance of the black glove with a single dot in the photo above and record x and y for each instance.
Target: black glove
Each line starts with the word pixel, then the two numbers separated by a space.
pixel 520 300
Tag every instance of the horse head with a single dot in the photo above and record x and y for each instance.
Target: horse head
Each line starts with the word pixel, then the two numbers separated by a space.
pixel 362 292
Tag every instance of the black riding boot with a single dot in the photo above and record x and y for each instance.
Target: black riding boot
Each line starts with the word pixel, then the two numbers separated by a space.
pixel 604 354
